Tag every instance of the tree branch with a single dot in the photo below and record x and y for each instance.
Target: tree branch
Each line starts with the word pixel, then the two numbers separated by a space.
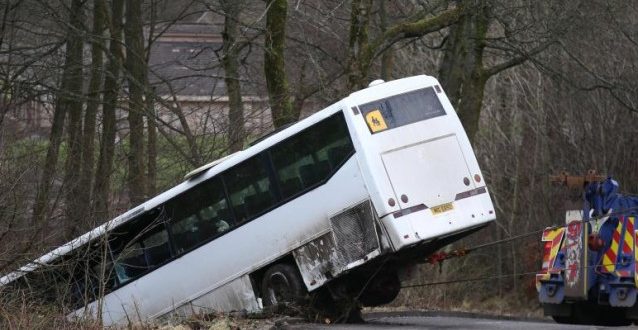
pixel 522 58
pixel 415 29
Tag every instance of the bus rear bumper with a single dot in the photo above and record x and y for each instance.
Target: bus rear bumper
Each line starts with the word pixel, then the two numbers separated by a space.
pixel 424 225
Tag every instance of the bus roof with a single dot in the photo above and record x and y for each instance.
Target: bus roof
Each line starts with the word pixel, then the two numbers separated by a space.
pixel 200 170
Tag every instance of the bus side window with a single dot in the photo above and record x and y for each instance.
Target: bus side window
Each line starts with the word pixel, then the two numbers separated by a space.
pixel 295 163
pixel 250 189
pixel 338 154
pixel 89 273
pixel 337 146
pixel 156 249
pixel 199 215
pixel 303 161
pixel 140 246
pixel 130 263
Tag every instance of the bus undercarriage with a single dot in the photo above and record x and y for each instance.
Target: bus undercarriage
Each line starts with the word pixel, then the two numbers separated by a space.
pixel 373 283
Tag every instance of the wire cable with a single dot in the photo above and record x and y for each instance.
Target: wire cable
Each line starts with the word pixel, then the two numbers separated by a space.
pixel 441 256
pixel 493 277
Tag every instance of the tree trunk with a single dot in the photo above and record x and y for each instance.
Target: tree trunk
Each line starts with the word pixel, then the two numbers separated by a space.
pixel 74 101
pixel 104 171
pixel 152 144
pixel 69 101
pixel 469 110
pixel 50 165
pixel 82 201
pixel 274 65
pixel 461 72
pixel 230 61
pixel 151 160
pixel 387 58
pixel 136 66
pixel 357 42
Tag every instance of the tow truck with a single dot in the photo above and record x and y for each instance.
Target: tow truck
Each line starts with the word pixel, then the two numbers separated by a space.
pixel 589 270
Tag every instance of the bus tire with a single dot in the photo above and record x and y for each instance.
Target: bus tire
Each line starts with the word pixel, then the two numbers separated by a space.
pixel 381 290
pixel 281 284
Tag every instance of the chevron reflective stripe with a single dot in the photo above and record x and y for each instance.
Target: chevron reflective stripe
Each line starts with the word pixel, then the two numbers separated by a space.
pixel 555 236
pixel 635 258
pixel 611 255
pixel 627 245
pixel 628 241
pixel 552 239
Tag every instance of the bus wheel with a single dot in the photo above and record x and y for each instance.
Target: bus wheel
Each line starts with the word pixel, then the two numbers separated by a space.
pixel 281 284
pixel 381 290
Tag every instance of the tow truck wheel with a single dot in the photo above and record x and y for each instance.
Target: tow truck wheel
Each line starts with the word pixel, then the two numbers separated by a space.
pixel 563 319
pixel 585 313
pixel 281 284
pixel 593 314
pixel 572 313
pixel 609 316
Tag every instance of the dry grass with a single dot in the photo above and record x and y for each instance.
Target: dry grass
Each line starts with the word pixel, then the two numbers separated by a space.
pixel 220 321
pixel 495 306
pixel 21 314
pixel 26 315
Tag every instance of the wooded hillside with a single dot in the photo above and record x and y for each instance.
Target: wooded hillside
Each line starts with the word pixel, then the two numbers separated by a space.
pixel 91 124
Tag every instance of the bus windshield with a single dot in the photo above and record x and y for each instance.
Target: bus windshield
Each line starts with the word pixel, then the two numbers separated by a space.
pixel 402 109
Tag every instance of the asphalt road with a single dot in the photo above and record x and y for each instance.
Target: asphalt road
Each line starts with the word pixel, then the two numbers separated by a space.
pixel 436 320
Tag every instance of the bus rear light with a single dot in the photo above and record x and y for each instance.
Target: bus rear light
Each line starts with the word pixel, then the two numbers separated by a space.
pixel 470 193
pixel 409 210
pixel 404 198
pixel 391 202
pixel 477 178
pixel 466 181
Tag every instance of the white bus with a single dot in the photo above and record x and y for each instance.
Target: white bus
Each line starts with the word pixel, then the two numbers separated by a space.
pixel 343 198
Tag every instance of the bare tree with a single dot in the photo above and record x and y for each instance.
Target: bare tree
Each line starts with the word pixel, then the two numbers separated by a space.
pixel 69 102
pixel 103 173
pixel 82 202
pixel 230 60
pixel 136 78
pixel 274 63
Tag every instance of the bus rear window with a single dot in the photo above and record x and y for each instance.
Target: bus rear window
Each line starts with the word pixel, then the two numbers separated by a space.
pixel 402 109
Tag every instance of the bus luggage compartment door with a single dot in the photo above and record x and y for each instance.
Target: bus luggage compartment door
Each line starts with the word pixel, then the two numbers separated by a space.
pixel 430 172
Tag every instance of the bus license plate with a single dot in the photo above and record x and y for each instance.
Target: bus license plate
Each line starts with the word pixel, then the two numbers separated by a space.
pixel 442 208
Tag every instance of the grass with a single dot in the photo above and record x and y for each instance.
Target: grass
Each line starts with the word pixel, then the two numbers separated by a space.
pixel 23 314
